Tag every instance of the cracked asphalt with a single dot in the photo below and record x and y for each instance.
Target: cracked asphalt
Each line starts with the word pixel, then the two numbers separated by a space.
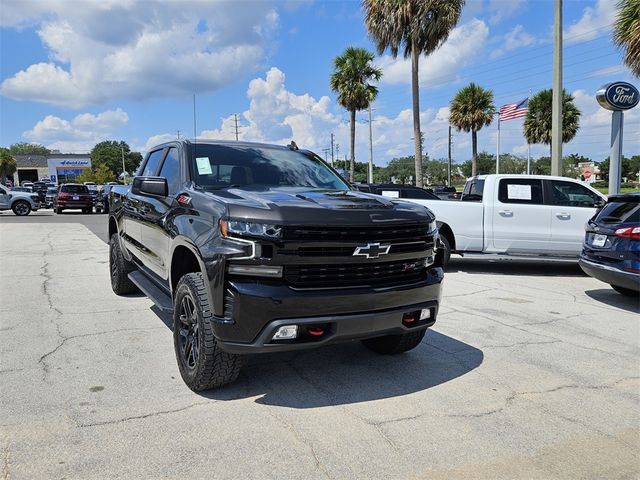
pixel 532 371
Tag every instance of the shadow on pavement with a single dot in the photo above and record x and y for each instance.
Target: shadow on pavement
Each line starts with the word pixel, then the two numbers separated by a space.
pixel 515 267
pixel 615 299
pixel 349 373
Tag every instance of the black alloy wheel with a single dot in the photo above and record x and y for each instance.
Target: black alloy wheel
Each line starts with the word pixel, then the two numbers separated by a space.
pixel 189 338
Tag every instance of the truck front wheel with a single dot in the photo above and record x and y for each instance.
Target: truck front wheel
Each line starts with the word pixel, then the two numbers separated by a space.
pixel 201 363
pixel 393 344
pixel 444 252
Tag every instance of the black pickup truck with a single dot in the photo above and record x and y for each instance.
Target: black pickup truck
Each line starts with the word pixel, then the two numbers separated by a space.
pixel 259 248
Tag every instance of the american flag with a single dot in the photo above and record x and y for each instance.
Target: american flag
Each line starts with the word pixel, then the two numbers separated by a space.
pixel 514 110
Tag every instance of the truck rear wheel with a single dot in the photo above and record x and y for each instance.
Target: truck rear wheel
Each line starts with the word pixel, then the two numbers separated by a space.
pixel 394 344
pixel 201 363
pixel 120 269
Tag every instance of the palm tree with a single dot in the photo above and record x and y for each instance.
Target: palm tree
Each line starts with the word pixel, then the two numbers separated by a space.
pixel 417 27
pixel 471 109
pixel 352 72
pixel 626 33
pixel 8 164
pixel 537 124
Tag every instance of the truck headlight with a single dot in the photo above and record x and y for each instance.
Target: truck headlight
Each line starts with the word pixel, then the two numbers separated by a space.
pixel 249 229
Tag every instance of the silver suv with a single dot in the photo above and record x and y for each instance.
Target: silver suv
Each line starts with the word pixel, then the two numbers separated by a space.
pixel 22 203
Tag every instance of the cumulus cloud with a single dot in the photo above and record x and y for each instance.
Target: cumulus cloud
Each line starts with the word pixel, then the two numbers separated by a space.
pixel 502 9
pixel 80 133
pixel 137 49
pixel 441 67
pixel 517 37
pixel 595 21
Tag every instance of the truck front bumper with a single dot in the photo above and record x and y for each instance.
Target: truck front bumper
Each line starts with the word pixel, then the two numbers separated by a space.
pixel 258 310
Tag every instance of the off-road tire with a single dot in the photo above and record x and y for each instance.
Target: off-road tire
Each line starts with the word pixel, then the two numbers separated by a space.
pixel 627 292
pixel 119 268
pixel 59 211
pixel 394 344
pixel 213 367
pixel 21 208
pixel 444 252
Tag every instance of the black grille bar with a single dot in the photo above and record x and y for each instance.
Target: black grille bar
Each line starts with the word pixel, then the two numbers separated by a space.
pixel 369 233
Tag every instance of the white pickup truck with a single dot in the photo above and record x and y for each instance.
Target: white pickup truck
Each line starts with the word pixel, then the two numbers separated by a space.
pixel 517 215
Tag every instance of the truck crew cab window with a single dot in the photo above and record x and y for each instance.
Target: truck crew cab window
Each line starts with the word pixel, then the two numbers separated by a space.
pixel 520 190
pixel 171 170
pixel 571 194
pixel 151 165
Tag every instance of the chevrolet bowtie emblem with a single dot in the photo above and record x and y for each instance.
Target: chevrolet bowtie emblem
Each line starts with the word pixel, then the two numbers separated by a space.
pixel 371 250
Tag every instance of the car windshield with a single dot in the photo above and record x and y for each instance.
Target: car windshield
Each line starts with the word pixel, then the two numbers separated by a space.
pixel 52 190
pixel 221 166
pixel 74 189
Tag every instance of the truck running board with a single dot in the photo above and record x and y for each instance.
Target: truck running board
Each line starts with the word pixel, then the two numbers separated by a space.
pixel 151 290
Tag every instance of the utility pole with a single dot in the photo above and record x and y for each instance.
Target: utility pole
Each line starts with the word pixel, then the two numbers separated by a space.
pixel 178 132
pixel 235 118
pixel 556 108
pixel 370 148
pixel 325 151
pixel 124 171
pixel 332 137
pixel 337 152
pixel 449 165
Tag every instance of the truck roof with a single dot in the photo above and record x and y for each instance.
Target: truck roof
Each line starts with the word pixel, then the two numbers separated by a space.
pixel 521 175
pixel 233 143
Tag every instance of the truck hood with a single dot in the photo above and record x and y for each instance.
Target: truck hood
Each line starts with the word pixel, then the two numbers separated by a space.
pixel 302 206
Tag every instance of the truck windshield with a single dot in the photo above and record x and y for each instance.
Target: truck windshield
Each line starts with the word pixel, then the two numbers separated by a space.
pixel 220 166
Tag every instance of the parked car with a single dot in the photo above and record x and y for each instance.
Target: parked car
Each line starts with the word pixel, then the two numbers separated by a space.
pixel 22 189
pixel 535 216
pixel 611 250
pixel 104 195
pixel 22 203
pixel 26 183
pixel 259 248
pixel 394 190
pixel 41 189
pixel 50 197
pixel 73 196
pixel 444 193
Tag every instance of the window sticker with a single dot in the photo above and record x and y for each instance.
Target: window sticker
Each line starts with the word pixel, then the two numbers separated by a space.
pixel 204 167
pixel 519 192
pixel 390 194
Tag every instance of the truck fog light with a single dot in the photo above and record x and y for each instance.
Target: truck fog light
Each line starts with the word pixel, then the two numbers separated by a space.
pixel 425 314
pixel 286 332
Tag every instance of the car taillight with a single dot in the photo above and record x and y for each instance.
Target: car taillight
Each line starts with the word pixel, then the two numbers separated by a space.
pixel 628 232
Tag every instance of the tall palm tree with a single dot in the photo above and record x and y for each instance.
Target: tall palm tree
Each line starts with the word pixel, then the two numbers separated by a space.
pixel 350 79
pixel 626 33
pixel 8 164
pixel 471 109
pixel 417 27
pixel 537 124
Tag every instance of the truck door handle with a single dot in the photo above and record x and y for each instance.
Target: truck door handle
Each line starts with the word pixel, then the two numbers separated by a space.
pixel 563 216
pixel 506 213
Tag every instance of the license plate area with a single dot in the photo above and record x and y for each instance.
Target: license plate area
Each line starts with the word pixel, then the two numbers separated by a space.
pixel 76 197
pixel 599 240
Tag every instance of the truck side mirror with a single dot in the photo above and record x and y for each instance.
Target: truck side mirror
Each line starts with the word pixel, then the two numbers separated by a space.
pixel 156 186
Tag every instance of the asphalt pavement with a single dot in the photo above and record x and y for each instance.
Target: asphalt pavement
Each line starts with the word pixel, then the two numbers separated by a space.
pixel 532 371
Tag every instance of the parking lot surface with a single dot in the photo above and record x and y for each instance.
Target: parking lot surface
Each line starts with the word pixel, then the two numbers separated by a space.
pixel 530 372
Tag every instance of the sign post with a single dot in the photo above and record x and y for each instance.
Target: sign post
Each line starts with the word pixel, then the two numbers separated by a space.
pixel 617 97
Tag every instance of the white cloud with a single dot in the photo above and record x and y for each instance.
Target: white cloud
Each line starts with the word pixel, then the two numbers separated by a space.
pixel 441 67
pixel 610 70
pixel 593 22
pixel 79 134
pixel 502 9
pixel 137 48
pixel 517 37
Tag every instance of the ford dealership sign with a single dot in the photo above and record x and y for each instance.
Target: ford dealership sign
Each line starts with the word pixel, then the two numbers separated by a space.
pixel 618 96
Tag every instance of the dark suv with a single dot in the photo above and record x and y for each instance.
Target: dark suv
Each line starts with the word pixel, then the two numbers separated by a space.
pixel 73 196
pixel 611 249
pixel 260 248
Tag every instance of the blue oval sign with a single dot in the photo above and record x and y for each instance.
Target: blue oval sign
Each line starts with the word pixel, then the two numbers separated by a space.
pixel 618 96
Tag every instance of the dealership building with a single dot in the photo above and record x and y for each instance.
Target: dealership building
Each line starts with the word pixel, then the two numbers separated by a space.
pixel 55 167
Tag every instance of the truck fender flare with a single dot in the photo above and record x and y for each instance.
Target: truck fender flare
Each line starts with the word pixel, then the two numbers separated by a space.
pixel 181 241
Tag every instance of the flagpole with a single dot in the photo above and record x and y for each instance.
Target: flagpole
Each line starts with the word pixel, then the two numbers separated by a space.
pixel 498 148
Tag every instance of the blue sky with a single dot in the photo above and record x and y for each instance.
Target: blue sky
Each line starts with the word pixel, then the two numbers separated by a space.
pixel 77 72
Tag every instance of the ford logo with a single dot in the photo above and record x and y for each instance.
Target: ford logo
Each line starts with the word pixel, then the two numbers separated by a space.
pixel 618 96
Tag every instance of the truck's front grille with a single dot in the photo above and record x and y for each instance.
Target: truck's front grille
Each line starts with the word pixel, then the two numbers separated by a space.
pixel 347 251
pixel 369 233
pixel 379 274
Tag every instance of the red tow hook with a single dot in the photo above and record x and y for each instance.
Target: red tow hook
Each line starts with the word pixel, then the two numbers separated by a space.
pixel 408 319
pixel 315 331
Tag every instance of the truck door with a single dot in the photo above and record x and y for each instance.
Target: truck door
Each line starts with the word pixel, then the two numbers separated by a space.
pixel 520 221
pixel 156 211
pixel 572 205
pixel 4 199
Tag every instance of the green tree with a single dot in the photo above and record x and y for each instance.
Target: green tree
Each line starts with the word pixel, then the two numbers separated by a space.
pixel 350 79
pixel 542 166
pixel 436 172
pixel 417 27
pixel 110 153
pixel 626 33
pixel 537 124
pixel 485 163
pixel 630 168
pixel 471 109
pixel 24 148
pixel 8 165
pixel 99 175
